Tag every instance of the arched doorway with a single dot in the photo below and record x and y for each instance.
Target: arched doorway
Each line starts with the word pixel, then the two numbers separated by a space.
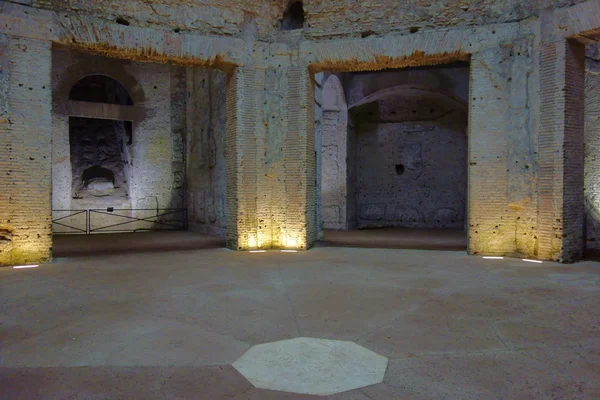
pixel 394 158
pixel 100 89
pixel 100 147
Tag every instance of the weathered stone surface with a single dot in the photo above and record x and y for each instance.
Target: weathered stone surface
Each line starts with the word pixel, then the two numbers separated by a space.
pixel 100 187
pixel 144 156
pixel 592 155
pixel 311 366
pixel 25 150
pixel 334 155
pixel 520 159
pixel 206 115
pixel 409 151
pixel 5 243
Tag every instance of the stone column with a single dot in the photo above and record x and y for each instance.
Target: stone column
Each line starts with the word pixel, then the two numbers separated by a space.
pixel 25 151
pixel 561 203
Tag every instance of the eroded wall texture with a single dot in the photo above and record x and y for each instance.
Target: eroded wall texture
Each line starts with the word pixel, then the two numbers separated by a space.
pixel 152 159
pixel 100 167
pixel 410 153
pixel 206 117
pixel 25 159
pixel 592 147
pixel 323 18
pixel 525 106
pixel 334 152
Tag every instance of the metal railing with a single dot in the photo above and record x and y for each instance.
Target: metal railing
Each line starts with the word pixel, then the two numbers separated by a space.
pixel 70 221
pixel 112 220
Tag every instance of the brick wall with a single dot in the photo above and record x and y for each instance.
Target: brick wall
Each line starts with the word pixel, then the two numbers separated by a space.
pixel 573 201
pixel 340 18
pixel 561 210
pixel 271 160
pixel 300 230
pixel 319 88
pixel 234 96
pixel 502 203
pixel 592 153
pixel 25 151
pixel 270 106
pixel 334 154
pixel 247 226
pixel 156 174
pixel 491 227
pixel 206 116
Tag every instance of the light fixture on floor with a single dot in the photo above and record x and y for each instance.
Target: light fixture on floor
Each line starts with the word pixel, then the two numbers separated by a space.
pixel 289 251
pixel 532 261
pixel 493 258
pixel 258 251
pixel 25 266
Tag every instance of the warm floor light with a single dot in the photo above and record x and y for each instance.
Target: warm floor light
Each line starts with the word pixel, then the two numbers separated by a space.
pixel 533 261
pixel 258 251
pixel 25 266
pixel 493 258
pixel 289 251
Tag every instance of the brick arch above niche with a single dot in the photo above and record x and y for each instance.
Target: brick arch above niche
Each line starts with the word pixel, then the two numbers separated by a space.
pixel 100 88
pixel 82 67
pixel 333 94
pixel 413 91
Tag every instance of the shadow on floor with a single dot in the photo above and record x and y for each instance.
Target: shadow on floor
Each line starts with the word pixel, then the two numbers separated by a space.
pixel 591 254
pixel 118 243
pixel 397 238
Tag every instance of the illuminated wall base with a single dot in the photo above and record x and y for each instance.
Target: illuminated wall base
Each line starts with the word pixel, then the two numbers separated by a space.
pixel 25 256
pixel 285 241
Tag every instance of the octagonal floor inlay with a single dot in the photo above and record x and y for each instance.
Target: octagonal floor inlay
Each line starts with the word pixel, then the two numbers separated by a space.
pixel 311 366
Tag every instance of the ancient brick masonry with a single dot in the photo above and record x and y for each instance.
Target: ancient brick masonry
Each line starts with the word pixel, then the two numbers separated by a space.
pixel 561 204
pixel 25 157
pixel 592 138
pixel 525 130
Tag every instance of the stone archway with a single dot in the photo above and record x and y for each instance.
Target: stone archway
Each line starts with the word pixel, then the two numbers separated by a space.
pixel 334 153
pixel 101 116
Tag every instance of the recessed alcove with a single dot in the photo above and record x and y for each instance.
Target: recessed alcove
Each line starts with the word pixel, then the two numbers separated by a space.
pixel 394 149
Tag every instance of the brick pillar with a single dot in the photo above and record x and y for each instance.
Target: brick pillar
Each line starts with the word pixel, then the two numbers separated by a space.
pixel 561 206
pixel 592 153
pixel 245 149
pixel 491 227
pixel 25 151
pixel 271 160
pixel 299 155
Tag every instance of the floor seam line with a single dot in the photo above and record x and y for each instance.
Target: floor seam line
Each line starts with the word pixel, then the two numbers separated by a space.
pixel 287 295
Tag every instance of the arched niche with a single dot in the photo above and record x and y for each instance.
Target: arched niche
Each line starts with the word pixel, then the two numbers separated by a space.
pixel 413 91
pixel 409 158
pixel 333 94
pixel 101 116
pixel 100 89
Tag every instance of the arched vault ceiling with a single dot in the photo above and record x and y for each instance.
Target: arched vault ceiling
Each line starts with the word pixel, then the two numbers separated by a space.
pixel 412 91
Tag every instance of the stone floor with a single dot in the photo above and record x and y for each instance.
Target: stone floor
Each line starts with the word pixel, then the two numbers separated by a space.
pixel 118 243
pixel 114 243
pixel 170 325
pixel 398 238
